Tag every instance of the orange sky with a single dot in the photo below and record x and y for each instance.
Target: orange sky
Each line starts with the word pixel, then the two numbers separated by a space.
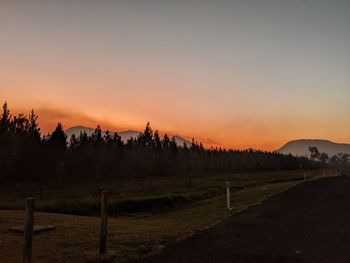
pixel 268 133
pixel 235 75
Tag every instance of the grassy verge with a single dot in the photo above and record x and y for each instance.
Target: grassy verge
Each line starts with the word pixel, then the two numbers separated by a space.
pixel 137 195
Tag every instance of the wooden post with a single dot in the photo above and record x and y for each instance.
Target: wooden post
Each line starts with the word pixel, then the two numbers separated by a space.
pixel 41 193
pixel 304 175
pixel 28 230
pixel 228 195
pixel 104 216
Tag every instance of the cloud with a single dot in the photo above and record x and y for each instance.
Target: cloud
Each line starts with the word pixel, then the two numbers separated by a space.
pixel 49 117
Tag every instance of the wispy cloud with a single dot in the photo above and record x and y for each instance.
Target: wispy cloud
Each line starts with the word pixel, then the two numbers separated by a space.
pixel 49 117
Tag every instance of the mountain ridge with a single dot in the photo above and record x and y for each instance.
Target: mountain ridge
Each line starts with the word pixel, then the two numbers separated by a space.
pixel 300 147
pixel 125 135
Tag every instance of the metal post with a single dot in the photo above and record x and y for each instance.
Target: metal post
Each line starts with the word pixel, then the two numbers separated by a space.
pixel 228 196
pixel 104 216
pixel 28 230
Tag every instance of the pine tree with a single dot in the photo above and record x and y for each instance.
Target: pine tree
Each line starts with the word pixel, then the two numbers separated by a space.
pixel 166 141
pixel 146 137
pixel 97 136
pixel 117 140
pixel 83 138
pixel 173 145
pixel 58 138
pixel 107 137
pixel 157 141
pixel 73 142
pixel 33 126
pixel 20 124
pixel 5 118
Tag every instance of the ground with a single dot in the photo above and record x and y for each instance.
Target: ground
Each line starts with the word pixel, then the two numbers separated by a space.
pixel 307 223
pixel 134 236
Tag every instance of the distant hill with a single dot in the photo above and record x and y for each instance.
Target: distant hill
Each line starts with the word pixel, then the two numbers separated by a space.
pixel 125 135
pixel 301 147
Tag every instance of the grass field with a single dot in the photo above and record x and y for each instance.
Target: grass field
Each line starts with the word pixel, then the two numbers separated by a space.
pixel 134 194
pixel 134 234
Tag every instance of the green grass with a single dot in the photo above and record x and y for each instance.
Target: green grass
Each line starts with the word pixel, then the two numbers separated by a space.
pixel 137 195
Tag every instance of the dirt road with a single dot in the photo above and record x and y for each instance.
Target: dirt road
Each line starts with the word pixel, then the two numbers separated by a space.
pixel 307 223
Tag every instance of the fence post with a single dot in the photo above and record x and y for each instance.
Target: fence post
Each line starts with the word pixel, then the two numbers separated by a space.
pixel 28 230
pixel 41 193
pixel 228 195
pixel 104 216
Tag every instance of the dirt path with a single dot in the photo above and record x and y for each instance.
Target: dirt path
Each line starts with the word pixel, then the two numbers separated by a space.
pixel 307 223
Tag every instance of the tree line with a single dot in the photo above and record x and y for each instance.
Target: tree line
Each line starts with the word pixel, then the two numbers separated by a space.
pixel 338 160
pixel 28 155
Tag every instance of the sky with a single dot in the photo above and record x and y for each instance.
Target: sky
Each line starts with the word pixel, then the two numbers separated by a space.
pixel 233 74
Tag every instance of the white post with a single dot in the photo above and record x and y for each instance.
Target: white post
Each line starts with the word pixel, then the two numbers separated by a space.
pixel 228 196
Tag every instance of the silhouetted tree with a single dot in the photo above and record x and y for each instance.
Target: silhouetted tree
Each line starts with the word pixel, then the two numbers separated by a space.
pixel 117 140
pixel 58 138
pixel 157 141
pixel 344 160
pixel 324 158
pixel 33 128
pixel 96 137
pixel 146 137
pixel 314 153
pixel 73 142
pixel 5 118
pixel 166 141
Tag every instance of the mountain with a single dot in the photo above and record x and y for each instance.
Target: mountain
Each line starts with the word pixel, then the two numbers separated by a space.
pixel 125 135
pixel 301 147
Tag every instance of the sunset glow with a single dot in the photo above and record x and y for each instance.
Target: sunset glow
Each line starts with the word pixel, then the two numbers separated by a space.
pixel 230 75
